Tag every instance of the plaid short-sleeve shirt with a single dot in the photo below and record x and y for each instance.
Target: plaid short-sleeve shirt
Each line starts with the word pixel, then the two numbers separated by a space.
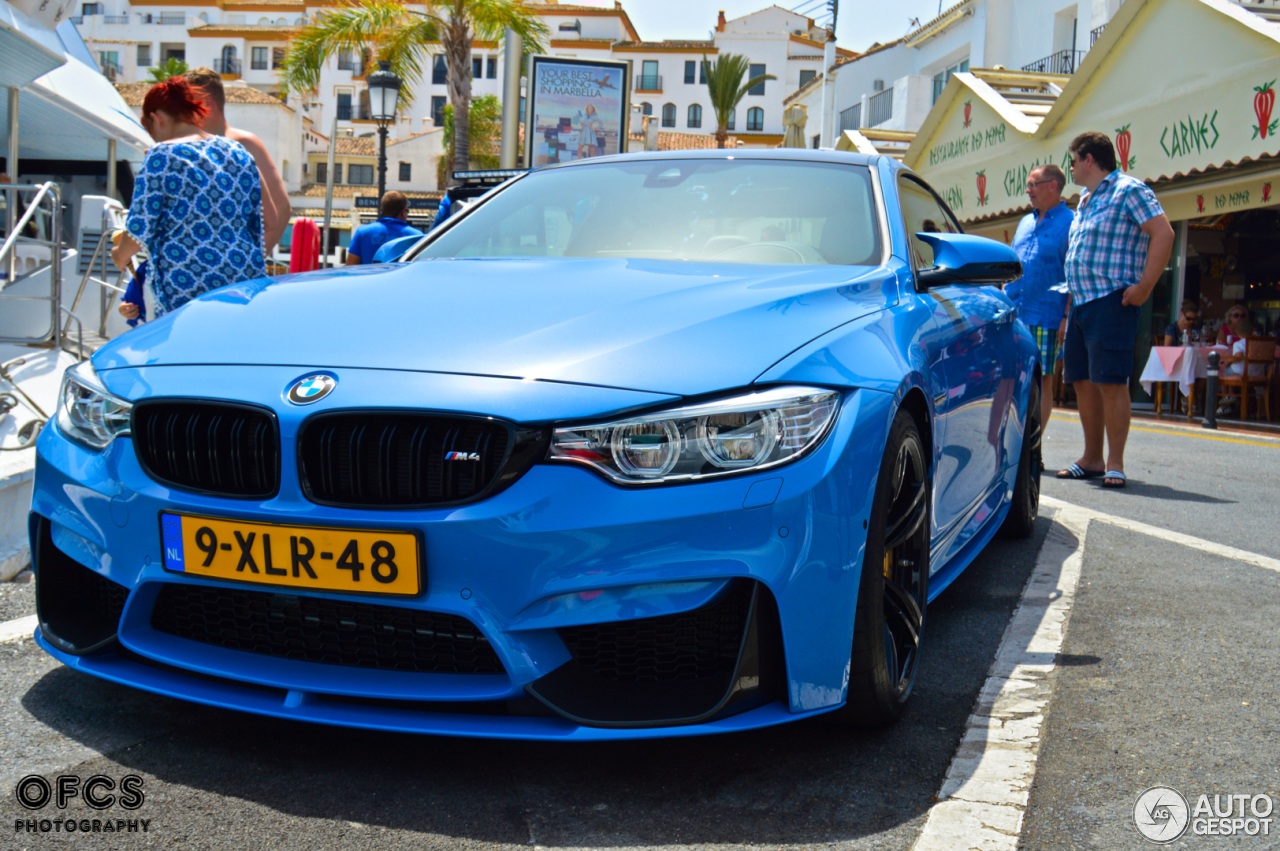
pixel 1107 248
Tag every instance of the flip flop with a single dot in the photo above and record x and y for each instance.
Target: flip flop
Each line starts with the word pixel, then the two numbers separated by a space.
pixel 1114 474
pixel 1075 471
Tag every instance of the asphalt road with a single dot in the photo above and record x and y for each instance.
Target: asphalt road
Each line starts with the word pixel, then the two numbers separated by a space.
pixel 1164 647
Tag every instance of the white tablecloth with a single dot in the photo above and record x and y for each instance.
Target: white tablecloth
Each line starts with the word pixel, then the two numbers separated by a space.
pixel 1178 363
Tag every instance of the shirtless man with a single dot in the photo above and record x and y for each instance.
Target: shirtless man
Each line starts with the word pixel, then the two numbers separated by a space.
pixel 276 209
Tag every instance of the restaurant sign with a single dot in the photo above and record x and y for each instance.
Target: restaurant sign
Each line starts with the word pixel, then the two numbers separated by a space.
pixel 1212 108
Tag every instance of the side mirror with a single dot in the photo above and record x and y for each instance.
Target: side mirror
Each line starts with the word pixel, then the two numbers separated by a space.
pixel 964 259
pixel 393 249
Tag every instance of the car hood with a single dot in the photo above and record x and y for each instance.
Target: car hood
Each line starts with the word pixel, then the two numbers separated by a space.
pixel 655 325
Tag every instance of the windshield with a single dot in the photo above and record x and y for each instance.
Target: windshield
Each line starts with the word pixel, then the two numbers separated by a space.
pixel 734 211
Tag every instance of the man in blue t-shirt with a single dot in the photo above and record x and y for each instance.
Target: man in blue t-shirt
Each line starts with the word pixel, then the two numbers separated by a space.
pixel 391 225
pixel 1040 294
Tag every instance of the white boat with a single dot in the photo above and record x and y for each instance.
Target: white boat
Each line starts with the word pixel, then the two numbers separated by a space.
pixel 73 139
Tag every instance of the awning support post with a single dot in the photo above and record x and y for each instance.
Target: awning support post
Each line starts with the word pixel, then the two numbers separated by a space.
pixel 111 170
pixel 11 206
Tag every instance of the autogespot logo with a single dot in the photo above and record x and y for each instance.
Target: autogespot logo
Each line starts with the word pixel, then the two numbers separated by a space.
pixel 310 389
pixel 1161 814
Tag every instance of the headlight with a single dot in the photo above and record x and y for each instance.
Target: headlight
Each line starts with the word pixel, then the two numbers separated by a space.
pixel 87 412
pixel 751 432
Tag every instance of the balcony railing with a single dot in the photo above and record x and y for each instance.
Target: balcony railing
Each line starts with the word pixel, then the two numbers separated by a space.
pixel 850 118
pixel 76 19
pixel 344 112
pixel 115 19
pixel 227 66
pixel 1095 34
pixel 880 108
pixel 649 83
pixel 1062 62
pixel 179 20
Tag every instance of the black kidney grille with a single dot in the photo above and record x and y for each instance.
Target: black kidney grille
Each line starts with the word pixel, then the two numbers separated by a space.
pixel 366 458
pixel 230 450
pixel 332 632
pixel 694 645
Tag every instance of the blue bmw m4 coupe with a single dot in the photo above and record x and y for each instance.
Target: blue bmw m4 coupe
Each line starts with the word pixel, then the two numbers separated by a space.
pixel 650 445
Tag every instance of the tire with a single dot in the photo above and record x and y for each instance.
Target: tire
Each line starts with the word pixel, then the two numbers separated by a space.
pixel 889 625
pixel 1021 519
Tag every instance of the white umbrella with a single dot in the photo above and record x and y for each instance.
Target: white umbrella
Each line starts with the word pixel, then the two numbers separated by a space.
pixel 793 119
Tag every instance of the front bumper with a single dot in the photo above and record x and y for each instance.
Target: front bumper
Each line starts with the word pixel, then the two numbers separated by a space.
pixel 560 549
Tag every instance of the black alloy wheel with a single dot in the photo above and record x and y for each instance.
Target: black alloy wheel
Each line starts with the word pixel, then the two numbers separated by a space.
pixel 893 594
pixel 1021 520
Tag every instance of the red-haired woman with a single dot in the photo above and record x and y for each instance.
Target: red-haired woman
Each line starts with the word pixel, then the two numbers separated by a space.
pixel 197 203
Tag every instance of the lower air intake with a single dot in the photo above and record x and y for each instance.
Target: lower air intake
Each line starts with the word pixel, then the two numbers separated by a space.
pixel 331 632
pixel 673 670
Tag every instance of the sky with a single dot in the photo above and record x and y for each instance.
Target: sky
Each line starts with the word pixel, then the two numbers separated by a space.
pixel 859 26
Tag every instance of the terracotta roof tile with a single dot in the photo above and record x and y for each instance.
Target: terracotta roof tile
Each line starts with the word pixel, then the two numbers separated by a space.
pixel 680 45
pixel 134 93
pixel 352 146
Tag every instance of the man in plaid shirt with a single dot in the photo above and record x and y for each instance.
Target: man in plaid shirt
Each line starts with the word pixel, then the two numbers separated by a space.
pixel 1118 246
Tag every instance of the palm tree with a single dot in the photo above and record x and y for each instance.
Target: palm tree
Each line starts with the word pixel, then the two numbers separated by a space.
pixel 484 136
pixel 171 68
pixel 726 89
pixel 407 39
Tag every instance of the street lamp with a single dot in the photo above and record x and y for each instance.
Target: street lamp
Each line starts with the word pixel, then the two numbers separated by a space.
pixel 384 92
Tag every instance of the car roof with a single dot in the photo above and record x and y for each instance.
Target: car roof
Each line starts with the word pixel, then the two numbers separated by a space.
pixel 800 154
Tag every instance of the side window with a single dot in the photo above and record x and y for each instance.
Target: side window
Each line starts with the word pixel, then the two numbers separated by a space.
pixel 923 213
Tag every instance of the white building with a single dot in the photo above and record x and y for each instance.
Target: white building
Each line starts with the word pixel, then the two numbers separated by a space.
pixel 245 40
pixel 892 87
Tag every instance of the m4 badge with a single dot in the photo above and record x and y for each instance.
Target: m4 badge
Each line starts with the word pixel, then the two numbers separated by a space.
pixel 462 456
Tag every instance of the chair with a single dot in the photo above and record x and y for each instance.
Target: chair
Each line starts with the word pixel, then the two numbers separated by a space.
pixel 1258 352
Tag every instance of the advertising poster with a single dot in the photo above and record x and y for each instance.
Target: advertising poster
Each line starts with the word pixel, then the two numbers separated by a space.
pixel 578 109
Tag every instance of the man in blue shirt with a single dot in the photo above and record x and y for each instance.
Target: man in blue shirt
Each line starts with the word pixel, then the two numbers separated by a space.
pixel 392 225
pixel 1040 294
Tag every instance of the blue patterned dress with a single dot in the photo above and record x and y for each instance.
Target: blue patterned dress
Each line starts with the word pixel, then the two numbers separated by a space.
pixel 197 208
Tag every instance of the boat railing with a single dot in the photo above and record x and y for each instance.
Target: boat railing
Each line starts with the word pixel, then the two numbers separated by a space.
pixel 108 293
pixel 46 199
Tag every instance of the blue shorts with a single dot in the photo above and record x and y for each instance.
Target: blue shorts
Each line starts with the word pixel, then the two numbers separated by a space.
pixel 1101 337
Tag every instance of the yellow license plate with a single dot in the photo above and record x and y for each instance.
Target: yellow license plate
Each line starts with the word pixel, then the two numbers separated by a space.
pixel 308 557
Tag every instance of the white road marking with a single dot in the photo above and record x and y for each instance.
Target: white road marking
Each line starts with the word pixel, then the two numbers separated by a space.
pixel 18 628
pixel 1169 535
pixel 984 797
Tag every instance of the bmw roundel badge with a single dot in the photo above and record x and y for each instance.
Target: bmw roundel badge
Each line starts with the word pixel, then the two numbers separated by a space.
pixel 311 389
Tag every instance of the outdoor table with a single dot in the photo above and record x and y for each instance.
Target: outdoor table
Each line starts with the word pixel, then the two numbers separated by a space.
pixel 1181 364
